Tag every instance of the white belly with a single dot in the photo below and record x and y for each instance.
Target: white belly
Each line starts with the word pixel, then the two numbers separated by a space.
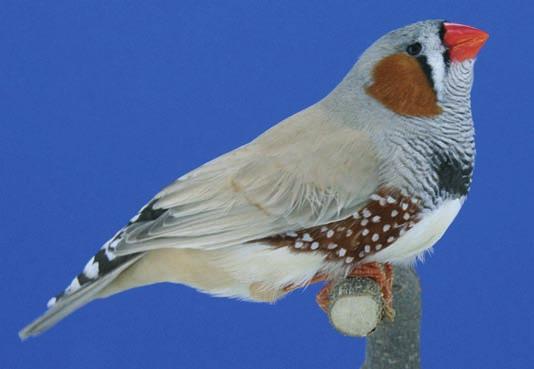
pixel 253 272
pixel 422 236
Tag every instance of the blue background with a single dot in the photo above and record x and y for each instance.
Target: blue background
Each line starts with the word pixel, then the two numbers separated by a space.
pixel 104 102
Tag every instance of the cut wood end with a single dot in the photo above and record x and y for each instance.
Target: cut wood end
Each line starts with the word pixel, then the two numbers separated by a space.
pixel 355 316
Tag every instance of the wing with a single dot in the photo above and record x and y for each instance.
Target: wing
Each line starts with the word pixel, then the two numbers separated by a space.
pixel 306 171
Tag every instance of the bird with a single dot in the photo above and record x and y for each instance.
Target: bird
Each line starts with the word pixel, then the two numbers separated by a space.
pixel 370 176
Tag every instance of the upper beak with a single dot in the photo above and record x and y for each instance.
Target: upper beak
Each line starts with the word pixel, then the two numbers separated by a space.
pixel 464 42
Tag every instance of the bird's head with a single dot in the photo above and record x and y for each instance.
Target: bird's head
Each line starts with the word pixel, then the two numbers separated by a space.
pixel 418 70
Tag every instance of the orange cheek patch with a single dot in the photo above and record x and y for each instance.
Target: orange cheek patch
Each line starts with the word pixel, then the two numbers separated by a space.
pixel 401 85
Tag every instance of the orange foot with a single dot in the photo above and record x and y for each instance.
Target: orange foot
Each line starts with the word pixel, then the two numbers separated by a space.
pixel 381 273
pixel 323 297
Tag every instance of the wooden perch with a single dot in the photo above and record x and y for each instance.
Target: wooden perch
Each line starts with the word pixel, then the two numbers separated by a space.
pixel 356 309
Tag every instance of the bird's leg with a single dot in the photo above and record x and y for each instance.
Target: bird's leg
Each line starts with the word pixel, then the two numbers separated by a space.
pixel 323 297
pixel 383 275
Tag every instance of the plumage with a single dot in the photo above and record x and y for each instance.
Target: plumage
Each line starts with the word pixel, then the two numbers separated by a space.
pixel 402 85
pixel 385 217
pixel 375 171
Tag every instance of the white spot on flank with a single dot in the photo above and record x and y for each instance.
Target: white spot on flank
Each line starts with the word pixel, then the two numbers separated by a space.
pixel 375 237
pixel 342 252
pixel 314 245
pixel 324 229
pixel 367 248
pixel 349 232
pixel 349 259
pixel 404 206
pixel 365 232
pixel 291 234
pixel 391 200
pixel 378 246
pixel 390 239
pixel 422 236
pixel 375 197
pixel 394 213
pixel 376 219
pixel 330 233
pixel 356 215
pixel 306 237
pixel 366 213
pixel 361 254
pixel 364 222
pixel 382 202
pixel 386 227
pixel 406 216
pixel 332 246
pixel 298 244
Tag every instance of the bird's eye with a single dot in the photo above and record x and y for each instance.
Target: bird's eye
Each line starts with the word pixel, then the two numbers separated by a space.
pixel 414 49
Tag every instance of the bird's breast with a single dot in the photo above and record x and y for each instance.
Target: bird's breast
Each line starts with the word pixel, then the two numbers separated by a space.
pixel 453 174
pixel 430 228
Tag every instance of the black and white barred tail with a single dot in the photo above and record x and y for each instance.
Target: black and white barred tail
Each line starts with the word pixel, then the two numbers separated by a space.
pixel 101 270
pixel 73 300
pixel 104 262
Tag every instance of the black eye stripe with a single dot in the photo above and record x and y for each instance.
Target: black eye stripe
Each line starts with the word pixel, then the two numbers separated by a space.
pixel 442 31
pixel 423 62
pixel 446 54
pixel 446 58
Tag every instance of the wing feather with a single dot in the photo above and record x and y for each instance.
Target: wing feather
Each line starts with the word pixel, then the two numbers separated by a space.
pixel 267 187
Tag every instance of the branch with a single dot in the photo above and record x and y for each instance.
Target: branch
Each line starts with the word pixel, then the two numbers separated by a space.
pixel 356 309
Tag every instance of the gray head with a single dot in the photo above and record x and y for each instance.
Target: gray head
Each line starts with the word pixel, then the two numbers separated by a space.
pixel 414 70
pixel 410 91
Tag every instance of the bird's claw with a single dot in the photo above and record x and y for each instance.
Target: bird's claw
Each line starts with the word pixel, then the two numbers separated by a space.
pixel 381 273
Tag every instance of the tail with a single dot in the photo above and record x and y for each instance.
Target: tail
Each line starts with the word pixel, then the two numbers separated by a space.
pixel 67 303
pixel 98 273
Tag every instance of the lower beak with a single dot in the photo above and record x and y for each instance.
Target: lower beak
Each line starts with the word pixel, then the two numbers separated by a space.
pixel 464 42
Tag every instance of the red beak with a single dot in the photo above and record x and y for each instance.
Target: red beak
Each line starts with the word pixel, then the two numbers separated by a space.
pixel 464 42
